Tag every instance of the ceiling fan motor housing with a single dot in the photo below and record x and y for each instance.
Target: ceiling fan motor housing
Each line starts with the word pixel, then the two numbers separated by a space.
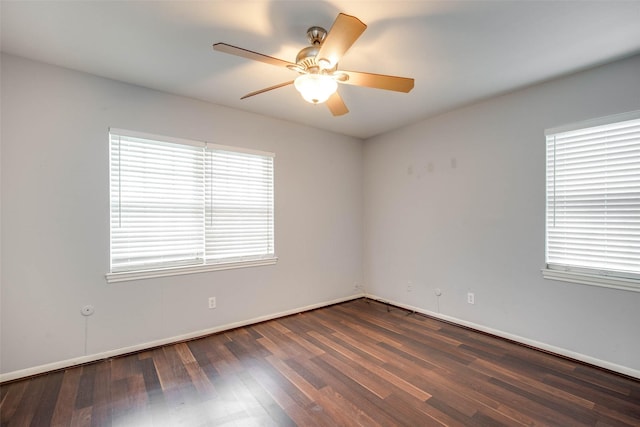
pixel 307 56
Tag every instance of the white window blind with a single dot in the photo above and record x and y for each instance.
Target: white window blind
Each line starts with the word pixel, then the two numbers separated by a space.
pixel 178 203
pixel 593 198
pixel 239 200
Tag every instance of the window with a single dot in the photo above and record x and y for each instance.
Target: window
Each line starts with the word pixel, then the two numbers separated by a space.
pixel 593 202
pixel 180 206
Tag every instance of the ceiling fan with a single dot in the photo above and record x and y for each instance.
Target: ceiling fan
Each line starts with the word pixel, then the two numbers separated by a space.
pixel 317 65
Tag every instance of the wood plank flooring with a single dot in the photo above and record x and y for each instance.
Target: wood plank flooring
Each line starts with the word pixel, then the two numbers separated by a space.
pixel 349 364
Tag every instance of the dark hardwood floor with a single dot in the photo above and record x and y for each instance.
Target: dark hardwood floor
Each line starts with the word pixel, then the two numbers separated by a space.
pixel 349 364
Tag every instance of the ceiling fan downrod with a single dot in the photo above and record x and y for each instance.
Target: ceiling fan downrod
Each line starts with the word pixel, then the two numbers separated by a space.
pixel 306 58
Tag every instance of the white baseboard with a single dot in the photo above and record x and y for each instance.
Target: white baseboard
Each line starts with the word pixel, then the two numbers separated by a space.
pixel 537 344
pixel 23 373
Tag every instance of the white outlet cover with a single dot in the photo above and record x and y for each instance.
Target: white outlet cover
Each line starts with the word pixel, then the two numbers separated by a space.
pixel 87 310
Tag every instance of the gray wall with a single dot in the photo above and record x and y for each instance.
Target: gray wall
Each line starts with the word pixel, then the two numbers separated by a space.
pixel 456 202
pixel 55 218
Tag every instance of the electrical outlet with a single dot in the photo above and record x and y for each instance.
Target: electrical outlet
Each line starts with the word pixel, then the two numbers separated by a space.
pixel 409 286
pixel 471 298
pixel 212 302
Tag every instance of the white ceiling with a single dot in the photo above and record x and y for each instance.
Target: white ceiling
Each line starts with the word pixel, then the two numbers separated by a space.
pixel 457 51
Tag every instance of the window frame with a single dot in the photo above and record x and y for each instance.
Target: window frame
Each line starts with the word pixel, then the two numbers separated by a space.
pixel 158 270
pixel 585 275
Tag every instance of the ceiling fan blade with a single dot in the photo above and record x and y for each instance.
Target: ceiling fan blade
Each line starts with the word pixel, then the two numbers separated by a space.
pixel 378 81
pixel 343 33
pixel 238 51
pixel 336 105
pixel 267 89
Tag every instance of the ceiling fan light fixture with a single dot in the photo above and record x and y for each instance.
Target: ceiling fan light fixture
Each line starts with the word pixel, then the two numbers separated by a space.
pixel 315 88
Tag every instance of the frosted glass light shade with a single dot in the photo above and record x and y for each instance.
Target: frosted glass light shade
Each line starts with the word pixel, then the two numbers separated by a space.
pixel 315 88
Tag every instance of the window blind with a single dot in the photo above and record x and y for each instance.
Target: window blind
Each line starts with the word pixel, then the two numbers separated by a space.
pixel 177 203
pixel 157 204
pixel 239 198
pixel 593 199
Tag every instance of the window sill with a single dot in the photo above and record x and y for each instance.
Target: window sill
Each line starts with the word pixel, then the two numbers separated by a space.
pixel 621 283
pixel 178 271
